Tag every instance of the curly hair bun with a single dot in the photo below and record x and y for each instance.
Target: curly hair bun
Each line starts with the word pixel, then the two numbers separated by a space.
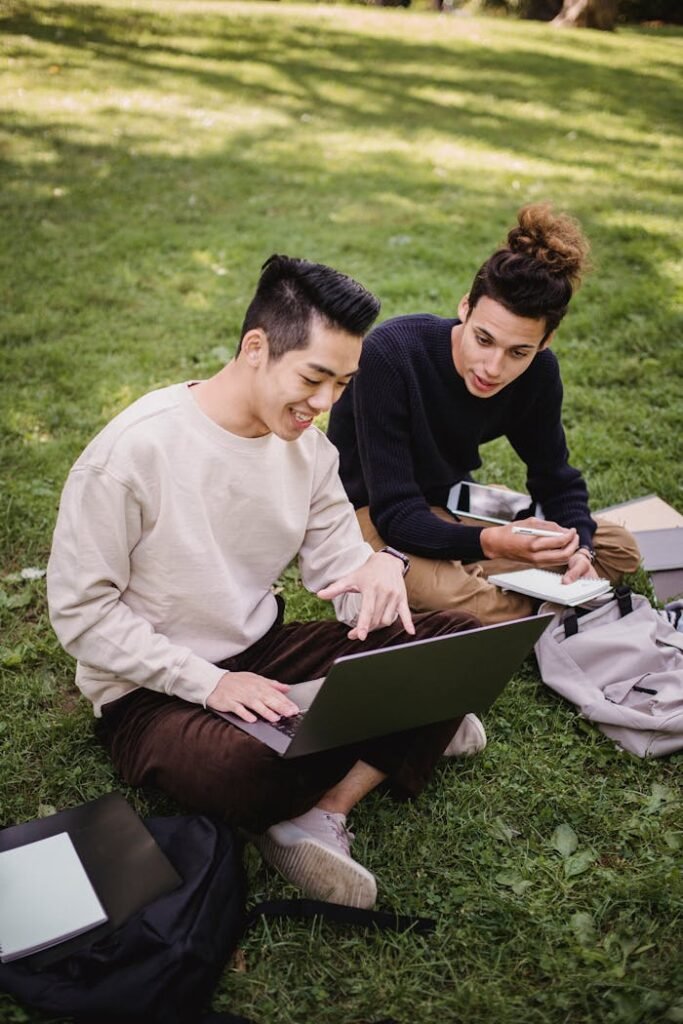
pixel 554 239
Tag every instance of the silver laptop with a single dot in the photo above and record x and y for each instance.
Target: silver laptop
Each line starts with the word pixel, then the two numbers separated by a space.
pixel 374 693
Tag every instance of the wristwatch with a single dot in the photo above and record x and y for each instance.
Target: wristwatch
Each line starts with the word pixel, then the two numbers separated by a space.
pixel 397 554
pixel 588 552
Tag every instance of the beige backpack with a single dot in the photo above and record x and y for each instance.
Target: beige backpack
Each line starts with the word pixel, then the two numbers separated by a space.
pixel 621 664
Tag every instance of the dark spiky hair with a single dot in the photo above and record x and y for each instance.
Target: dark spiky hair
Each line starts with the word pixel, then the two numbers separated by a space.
pixel 291 291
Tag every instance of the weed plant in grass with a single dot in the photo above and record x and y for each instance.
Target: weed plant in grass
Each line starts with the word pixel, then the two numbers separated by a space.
pixel 153 155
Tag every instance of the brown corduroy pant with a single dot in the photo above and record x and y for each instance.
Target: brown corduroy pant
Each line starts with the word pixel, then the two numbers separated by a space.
pixel 211 766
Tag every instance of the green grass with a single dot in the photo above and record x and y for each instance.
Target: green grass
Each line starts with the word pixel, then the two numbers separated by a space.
pixel 153 154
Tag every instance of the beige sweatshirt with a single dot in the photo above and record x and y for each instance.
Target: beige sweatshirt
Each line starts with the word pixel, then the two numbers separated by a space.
pixel 170 534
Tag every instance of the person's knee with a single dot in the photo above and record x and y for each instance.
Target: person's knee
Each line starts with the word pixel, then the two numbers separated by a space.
pixel 206 765
pixel 630 552
pixel 471 606
pixel 617 549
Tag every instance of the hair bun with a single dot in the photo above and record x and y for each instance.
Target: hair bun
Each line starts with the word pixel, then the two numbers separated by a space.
pixel 553 239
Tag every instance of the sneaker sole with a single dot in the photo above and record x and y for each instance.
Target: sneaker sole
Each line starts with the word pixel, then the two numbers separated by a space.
pixel 321 873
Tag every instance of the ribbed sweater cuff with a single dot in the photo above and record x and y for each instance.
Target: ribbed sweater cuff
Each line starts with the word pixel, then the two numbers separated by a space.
pixel 196 680
pixel 452 542
pixel 469 544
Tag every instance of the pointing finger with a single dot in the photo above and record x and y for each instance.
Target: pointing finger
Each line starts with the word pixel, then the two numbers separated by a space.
pixel 405 617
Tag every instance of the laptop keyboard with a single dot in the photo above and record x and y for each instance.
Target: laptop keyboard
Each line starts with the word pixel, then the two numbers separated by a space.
pixel 288 725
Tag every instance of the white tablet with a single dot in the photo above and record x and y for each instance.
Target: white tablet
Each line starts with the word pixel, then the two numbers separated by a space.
pixel 490 504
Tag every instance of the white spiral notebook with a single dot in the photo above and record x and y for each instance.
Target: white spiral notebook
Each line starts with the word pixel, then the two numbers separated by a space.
pixel 45 897
pixel 548 586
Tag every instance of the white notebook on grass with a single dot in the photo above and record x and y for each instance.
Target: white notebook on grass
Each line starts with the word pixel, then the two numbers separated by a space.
pixel 45 897
pixel 548 586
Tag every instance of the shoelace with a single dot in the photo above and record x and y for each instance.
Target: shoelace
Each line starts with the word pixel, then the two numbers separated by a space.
pixel 342 834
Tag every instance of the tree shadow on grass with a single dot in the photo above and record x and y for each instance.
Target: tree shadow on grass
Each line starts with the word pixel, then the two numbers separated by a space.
pixel 467 89
pixel 115 260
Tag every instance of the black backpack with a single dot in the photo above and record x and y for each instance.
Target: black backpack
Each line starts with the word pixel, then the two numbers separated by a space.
pixel 164 962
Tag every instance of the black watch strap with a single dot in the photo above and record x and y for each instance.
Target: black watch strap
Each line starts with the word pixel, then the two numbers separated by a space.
pixel 399 555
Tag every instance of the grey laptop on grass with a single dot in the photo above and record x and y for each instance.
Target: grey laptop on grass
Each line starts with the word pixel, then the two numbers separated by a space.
pixel 374 693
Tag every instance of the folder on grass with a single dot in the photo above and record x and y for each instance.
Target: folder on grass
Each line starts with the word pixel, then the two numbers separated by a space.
pixel 126 867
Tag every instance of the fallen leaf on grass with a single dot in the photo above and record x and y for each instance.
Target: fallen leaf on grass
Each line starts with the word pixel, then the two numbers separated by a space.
pixel 513 881
pixel 10 657
pixel 673 840
pixel 660 795
pixel 583 927
pixel 578 863
pixel 502 831
pixel 239 961
pixel 564 840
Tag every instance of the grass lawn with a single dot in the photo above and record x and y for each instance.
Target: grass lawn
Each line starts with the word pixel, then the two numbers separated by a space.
pixel 153 154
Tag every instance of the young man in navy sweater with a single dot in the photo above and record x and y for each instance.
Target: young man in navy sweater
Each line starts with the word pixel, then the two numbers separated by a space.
pixel 431 390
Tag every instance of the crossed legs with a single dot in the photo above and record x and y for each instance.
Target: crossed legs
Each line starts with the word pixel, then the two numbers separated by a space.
pixel 210 766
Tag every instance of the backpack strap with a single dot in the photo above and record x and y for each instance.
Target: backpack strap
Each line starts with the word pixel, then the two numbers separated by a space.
pixel 623 596
pixel 337 913
pixel 571 623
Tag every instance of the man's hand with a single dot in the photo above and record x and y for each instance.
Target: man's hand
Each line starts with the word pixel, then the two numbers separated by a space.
pixel 383 594
pixel 501 542
pixel 579 567
pixel 244 693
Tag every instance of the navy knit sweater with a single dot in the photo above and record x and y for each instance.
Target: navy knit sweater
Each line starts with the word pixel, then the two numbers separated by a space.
pixel 407 429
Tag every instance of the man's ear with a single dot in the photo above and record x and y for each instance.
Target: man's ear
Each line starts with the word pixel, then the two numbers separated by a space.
pixel 546 341
pixel 464 308
pixel 255 347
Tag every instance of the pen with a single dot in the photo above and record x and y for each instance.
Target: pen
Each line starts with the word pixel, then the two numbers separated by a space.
pixel 536 533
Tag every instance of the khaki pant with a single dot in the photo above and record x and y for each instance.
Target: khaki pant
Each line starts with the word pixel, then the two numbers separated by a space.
pixel 435 583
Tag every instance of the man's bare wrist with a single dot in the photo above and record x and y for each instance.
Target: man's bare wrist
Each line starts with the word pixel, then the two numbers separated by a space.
pixel 485 541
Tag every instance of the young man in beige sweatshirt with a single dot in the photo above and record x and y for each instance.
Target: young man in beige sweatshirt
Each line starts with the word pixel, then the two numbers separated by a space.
pixel 175 523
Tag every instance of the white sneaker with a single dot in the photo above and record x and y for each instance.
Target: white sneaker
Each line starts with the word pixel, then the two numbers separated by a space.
pixel 312 851
pixel 470 739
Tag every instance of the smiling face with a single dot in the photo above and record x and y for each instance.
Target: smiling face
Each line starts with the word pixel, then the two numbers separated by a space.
pixel 288 393
pixel 492 347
